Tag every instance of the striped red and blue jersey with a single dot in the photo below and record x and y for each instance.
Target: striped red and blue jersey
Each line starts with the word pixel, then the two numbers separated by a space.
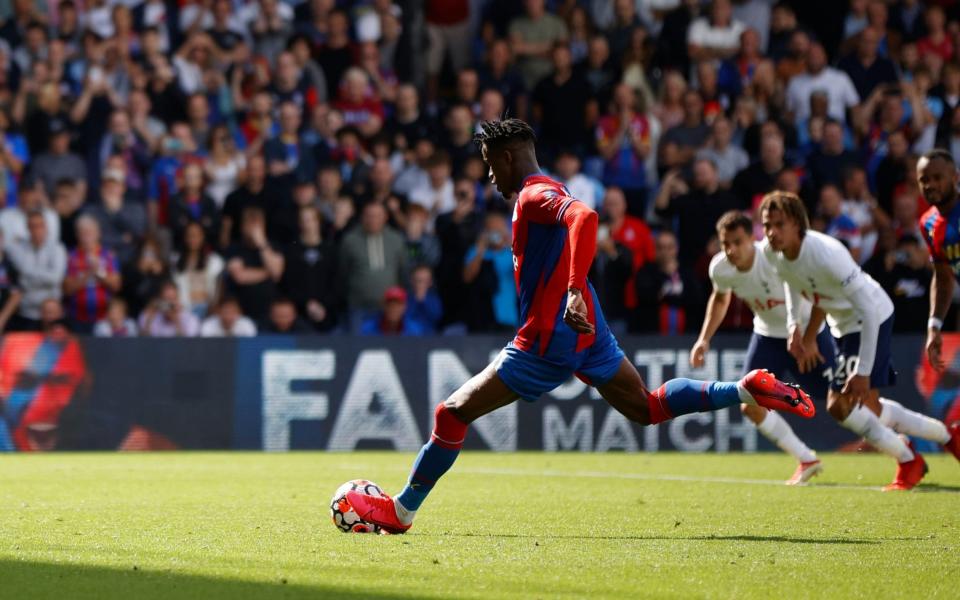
pixel 554 240
pixel 89 303
pixel 942 234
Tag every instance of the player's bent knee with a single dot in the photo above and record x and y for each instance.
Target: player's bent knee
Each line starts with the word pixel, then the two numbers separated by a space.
pixel 838 407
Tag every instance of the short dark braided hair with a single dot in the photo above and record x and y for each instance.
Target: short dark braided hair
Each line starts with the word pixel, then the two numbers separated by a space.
pixel 503 131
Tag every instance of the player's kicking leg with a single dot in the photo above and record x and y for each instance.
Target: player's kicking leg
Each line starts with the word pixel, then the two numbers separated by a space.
pixel 483 393
pixel 776 429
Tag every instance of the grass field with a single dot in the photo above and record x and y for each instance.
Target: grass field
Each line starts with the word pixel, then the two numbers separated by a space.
pixel 237 525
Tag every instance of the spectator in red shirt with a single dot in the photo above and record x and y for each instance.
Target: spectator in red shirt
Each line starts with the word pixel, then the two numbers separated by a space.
pixel 357 103
pixel 625 137
pixel 936 41
pixel 633 233
pixel 93 276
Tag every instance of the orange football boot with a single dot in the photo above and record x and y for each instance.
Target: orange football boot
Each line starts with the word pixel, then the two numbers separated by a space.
pixel 770 392
pixel 377 510
pixel 909 473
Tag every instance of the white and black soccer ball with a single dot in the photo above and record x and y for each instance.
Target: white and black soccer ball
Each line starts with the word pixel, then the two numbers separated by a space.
pixel 342 513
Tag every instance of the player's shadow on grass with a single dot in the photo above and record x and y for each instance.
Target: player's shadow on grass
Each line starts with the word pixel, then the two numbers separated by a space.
pixel 26 579
pixel 702 538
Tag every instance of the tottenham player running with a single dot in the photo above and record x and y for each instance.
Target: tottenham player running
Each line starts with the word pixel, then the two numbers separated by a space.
pixel 818 268
pixel 940 225
pixel 563 332
pixel 743 269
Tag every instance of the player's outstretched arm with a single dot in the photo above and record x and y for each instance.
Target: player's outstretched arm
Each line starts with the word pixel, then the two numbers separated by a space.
pixel 717 307
pixel 941 294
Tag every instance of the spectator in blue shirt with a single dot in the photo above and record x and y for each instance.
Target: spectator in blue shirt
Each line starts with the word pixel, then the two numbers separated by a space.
pixel 424 306
pixel 394 318
pixel 488 271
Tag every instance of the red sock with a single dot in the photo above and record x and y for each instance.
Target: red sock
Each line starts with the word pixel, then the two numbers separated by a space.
pixel 448 430
pixel 656 401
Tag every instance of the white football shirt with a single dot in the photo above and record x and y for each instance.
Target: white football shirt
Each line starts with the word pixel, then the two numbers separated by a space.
pixel 825 274
pixel 760 288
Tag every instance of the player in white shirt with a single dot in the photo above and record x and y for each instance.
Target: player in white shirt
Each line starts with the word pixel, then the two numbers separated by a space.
pixel 818 268
pixel 743 269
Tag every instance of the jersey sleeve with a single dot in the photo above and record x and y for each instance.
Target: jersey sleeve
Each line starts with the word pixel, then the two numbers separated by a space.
pixel 720 283
pixel 841 267
pixel 929 228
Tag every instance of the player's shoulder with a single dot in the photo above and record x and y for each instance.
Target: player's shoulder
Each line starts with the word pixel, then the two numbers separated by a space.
pixel 822 245
pixel 541 187
pixel 929 218
pixel 720 267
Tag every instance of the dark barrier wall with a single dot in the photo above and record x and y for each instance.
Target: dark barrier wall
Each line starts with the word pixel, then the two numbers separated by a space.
pixel 280 393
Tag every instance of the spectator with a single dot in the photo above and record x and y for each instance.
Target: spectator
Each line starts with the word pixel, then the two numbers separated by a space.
pixel 197 271
pixel 424 306
pixel 841 94
pixel 562 107
pixel 670 295
pixel 41 263
pixel 360 108
pixel 422 247
pixel 456 231
pixel 582 187
pixel 612 274
pixel 760 177
pixel 625 137
pixel 532 36
pixel 371 260
pixel 166 317
pixel 13 219
pixel 459 129
pixel 225 170
pixel 10 294
pixel 143 276
pixel 67 203
pixel 501 74
pixel 630 232
pixel 121 223
pixel 937 42
pixel 488 273
pixel 335 55
pixel 93 277
pixel 905 275
pixel 716 36
pixel 117 323
pixel 448 33
pixel 252 193
pixel 309 277
pixel 680 143
pixel 729 158
pixel 408 125
pixel 253 266
pixel 285 153
pixel 435 194
pixel 393 318
pixel 228 321
pixel 121 139
pixel 827 163
pixel 866 68
pixel 284 320
pixel 58 163
pixel 837 224
pixel 696 210
pixel 193 205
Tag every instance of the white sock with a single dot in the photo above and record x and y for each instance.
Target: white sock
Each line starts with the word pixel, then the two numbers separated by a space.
pixel 862 421
pixel 904 420
pixel 745 396
pixel 405 515
pixel 776 429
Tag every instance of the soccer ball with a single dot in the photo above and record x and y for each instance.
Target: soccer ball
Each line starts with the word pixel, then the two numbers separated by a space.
pixel 343 514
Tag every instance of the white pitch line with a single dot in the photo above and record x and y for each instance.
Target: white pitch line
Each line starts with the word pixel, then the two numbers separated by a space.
pixel 650 477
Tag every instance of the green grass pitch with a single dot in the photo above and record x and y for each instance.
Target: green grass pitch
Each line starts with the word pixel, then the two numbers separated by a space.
pixel 530 525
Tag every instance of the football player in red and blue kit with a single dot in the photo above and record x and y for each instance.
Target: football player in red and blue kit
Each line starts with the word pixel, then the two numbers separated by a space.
pixel 562 332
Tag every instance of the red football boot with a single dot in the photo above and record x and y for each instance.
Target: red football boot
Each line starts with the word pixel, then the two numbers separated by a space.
pixel 953 446
pixel 909 473
pixel 377 510
pixel 769 392
pixel 805 472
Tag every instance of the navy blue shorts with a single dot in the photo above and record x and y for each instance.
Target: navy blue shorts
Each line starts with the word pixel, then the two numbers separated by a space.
pixel 771 354
pixel 848 356
pixel 531 375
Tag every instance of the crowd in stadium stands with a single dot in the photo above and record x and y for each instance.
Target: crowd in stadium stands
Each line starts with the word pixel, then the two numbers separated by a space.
pixel 242 167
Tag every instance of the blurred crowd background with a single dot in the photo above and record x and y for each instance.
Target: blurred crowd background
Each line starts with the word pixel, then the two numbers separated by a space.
pixel 244 167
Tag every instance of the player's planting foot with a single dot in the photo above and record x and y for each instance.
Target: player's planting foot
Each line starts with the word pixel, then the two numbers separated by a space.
pixel 769 392
pixel 377 510
pixel 953 446
pixel 805 472
pixel 909 473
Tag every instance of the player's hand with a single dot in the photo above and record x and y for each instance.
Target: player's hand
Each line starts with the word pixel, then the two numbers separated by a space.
pixel 858 387
pixel 935 349
pixel 795 345
pixel 698 354
pixel 811 356
pixel 575 316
